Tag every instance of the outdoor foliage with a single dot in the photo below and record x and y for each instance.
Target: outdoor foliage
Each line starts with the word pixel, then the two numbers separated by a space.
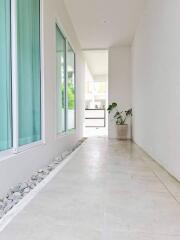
pixel 70 94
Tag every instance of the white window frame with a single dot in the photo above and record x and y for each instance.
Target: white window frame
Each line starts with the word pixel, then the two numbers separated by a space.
pixel 72 129
pixel 15 138
pixel 67 132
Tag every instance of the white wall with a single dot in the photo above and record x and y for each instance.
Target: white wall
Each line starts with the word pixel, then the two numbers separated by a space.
pixel 16 168
pixel 101 78
pixel 89 96
pixel 119 82
pixel 156 83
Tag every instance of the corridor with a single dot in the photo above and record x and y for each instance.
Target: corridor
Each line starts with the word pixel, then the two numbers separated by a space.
pixel 110 190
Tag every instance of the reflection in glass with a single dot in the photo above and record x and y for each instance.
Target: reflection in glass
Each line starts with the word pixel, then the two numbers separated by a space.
pixel 70 88
pixel 61 76
pixel 29 70
pixel 5 77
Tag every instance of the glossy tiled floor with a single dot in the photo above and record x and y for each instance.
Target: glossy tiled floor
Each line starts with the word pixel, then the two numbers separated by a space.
pixel 110 190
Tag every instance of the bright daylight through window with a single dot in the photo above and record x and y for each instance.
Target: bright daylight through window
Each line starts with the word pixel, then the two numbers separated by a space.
pixel 65 73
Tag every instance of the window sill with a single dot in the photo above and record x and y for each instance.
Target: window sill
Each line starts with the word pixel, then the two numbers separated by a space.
pixel 29 146
pixel 65 134
pixel 4 155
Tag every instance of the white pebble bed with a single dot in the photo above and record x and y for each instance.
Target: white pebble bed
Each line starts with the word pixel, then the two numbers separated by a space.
pixel 16 193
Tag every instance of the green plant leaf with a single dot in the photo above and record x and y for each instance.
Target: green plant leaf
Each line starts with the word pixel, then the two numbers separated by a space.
pixel 109 109
pixel 114 105
pixel 116 114
pixel 129 112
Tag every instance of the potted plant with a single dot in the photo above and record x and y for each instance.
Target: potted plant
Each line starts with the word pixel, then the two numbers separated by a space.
pixel 120 118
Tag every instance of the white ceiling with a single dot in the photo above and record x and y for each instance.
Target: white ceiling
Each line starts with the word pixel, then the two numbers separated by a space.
pixel 97 61
pixel 104 23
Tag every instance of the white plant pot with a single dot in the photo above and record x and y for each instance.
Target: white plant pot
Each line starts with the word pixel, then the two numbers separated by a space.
pixel 122 131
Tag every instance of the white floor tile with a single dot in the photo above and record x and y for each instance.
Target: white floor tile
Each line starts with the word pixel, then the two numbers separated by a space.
pixel 110 190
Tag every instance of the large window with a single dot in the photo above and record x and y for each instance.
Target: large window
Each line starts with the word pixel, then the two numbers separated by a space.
pixel 5 77
pixel 29 79
pixel 65 71
pixel 20 76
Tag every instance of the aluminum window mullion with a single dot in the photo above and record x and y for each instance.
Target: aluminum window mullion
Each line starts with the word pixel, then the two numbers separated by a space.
pixel 66 90
pixel 14 75
pixel 75 87
pixel 42 72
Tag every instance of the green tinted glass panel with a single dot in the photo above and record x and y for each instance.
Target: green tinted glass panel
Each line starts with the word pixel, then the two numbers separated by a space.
pixel 70 88
pixel 29 77
pixel 5 77
pixel 61 76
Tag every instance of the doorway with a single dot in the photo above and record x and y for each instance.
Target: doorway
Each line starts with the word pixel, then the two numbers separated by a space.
pixel 96 93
